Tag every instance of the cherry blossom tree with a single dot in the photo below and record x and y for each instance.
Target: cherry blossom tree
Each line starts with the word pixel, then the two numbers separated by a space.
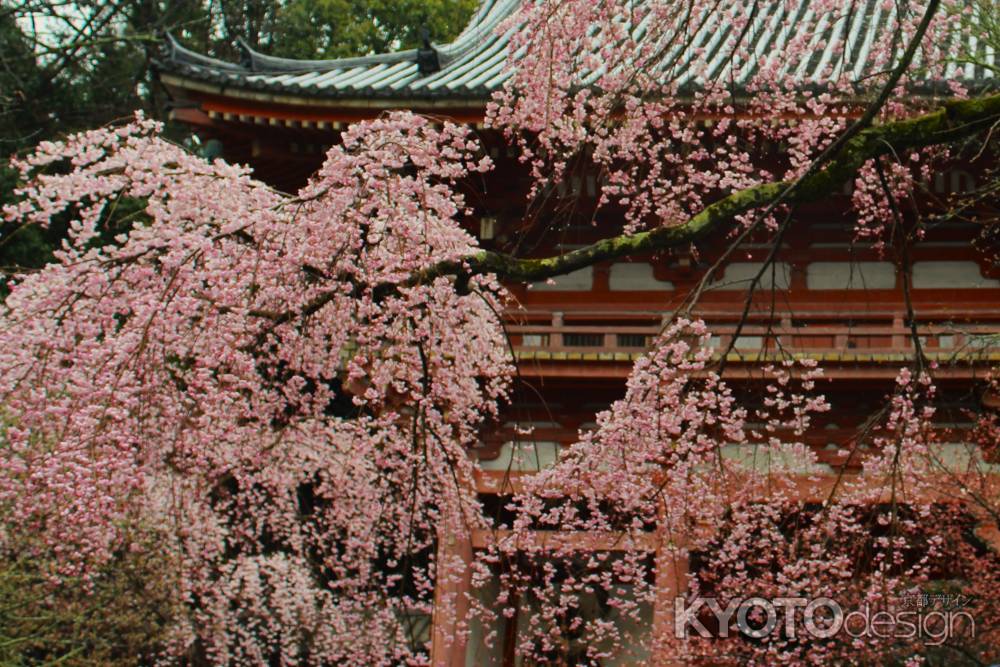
pixel 266 407
pixel 276 394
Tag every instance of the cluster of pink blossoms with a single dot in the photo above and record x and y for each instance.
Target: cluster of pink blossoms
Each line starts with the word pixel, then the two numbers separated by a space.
pixel 230 373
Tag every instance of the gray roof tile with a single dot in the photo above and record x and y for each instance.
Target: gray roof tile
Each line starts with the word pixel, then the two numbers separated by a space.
pixel 475 63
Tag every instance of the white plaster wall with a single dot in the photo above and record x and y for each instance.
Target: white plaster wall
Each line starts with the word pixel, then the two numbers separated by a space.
pixel 479 651
pixel 637 635
pixel 850 275
pixel 950 274
pixel 749 343
pixel 764 459
pixel 581 280
pixel 636 277
pixel 525 456
pixel 738 275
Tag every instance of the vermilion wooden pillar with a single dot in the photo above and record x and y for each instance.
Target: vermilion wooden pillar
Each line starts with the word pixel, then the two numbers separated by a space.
pixel 451 601
pixel 672 566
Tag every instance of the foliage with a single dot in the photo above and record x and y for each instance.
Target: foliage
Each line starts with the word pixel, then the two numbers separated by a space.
pixel 72 66
pixel 315 29
pixel 117 615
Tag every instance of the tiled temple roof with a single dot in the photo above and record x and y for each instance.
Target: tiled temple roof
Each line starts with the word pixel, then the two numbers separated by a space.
pixel 474 65
pixel 471 67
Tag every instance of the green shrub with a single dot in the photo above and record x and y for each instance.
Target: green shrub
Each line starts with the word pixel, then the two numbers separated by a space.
pixel 120 616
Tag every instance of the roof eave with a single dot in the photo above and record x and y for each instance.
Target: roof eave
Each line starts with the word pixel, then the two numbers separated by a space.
pixel 349 99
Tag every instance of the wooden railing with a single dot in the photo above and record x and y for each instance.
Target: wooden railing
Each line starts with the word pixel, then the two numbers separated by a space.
pixel 872 333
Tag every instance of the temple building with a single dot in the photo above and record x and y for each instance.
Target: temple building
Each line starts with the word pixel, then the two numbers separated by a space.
pixel 829 297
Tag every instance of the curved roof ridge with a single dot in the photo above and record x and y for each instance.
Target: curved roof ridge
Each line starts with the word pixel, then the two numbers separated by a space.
pixel 178 53
pixel 484 21
pixel 482 25
pixel 257 62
